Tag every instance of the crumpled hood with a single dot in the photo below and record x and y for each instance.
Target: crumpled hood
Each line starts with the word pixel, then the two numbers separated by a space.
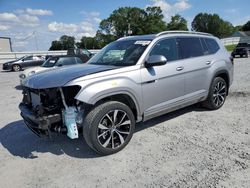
pixel 60 76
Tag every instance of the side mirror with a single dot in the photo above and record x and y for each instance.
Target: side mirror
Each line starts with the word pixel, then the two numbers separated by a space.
pixel 155 60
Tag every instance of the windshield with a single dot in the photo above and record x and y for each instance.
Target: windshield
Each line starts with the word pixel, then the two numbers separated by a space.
pixel 49 62
pixel 121 53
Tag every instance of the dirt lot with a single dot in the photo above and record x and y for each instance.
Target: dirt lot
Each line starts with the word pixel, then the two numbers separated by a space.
pixel 187 148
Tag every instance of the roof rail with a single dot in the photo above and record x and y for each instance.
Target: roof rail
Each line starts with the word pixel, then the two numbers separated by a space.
pixel 182 32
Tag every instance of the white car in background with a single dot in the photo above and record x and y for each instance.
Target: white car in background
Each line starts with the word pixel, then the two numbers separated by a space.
pixel 53 62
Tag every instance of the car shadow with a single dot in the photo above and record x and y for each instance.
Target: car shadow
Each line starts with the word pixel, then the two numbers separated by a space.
pixel 152 122
pixel 20 141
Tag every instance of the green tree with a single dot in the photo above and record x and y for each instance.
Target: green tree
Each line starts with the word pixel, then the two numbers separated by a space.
pixel 246 27
pixel 212 23
pixel 56 45
pixel 130 19
pixel 88 43
pixel 177 23
pixel 238 28
pixel 65 42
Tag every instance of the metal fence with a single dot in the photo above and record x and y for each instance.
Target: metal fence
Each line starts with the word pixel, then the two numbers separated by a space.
pixel 8 56
pixel 230 41
pixel 235 40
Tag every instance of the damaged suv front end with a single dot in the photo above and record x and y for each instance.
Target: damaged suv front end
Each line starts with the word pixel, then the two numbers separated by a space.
pixel 42 111
pixel 49 104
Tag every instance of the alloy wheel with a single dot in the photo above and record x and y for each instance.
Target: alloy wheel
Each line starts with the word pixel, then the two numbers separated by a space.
pixel 219 94
pixel 113 129
pixel 16 68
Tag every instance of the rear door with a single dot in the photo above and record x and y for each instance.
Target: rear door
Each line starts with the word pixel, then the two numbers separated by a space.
pixel 197 61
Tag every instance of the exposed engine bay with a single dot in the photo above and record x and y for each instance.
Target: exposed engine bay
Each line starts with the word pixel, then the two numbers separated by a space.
pixel 52 110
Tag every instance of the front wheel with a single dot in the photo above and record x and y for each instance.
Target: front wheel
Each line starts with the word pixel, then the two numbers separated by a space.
pixel 109 127
pixel 16 68
pixel 217 94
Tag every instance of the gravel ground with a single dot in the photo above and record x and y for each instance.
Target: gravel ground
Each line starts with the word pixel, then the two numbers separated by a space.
pixel 191 147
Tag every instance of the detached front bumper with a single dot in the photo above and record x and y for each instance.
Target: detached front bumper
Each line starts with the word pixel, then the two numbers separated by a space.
pixel 40 125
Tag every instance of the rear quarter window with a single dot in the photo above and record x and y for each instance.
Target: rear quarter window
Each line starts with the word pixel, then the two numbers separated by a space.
pixel 212 45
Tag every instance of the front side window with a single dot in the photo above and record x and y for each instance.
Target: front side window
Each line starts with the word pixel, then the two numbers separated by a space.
pixel 167 48
pixel 189 47
pixel 49 62
pixel 120 53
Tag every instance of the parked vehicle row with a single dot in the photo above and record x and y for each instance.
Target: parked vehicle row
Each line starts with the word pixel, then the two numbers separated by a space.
pixel 53 62
pixel 130 80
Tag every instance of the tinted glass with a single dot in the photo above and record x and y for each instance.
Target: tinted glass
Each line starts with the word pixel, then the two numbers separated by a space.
pixel 167 48
pixel 28 58
pixel 212 45
pixel 204 46
pixel 50 62
pixel 78 60
pixel 66 61
pixel 189 47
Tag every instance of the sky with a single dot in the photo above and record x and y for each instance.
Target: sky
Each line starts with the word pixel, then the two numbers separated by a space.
pixel 33 24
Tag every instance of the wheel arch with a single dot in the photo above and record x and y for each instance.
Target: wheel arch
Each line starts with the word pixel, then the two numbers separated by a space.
pixel 16 64
pixel 123 96
pixel 225 75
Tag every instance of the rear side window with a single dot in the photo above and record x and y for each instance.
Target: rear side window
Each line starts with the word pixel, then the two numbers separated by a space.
pixel 204 46
pixel 189 47
pixel 212 45
pixel 167 48
pixel 78 60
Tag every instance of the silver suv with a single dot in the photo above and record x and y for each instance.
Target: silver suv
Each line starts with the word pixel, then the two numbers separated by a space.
pixel 133 79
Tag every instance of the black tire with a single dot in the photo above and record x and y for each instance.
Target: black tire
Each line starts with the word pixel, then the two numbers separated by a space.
pixel 109 127
pixel 217 94
pixel 16 68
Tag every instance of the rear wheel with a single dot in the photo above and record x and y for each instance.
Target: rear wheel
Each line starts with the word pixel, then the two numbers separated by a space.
pixel 16 68
pixel 217 94
pixel 109 127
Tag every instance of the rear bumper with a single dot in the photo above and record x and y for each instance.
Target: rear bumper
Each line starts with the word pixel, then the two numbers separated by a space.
pixel 40 125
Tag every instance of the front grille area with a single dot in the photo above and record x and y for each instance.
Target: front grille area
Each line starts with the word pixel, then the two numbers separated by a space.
pixel 49 101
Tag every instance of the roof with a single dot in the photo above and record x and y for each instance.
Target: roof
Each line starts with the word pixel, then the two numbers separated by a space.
pixel 153 36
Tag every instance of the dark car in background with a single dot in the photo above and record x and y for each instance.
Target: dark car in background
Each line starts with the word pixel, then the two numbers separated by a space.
pixel 241 50
pixel 53 62
pixel 23 62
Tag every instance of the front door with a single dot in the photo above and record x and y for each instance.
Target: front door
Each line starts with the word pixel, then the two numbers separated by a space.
pixel 163 86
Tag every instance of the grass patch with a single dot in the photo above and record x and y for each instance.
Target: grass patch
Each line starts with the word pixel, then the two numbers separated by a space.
pixel 230 47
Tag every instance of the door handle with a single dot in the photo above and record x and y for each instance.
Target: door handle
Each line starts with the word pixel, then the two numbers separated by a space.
pixel 179 68
pixel 208 62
